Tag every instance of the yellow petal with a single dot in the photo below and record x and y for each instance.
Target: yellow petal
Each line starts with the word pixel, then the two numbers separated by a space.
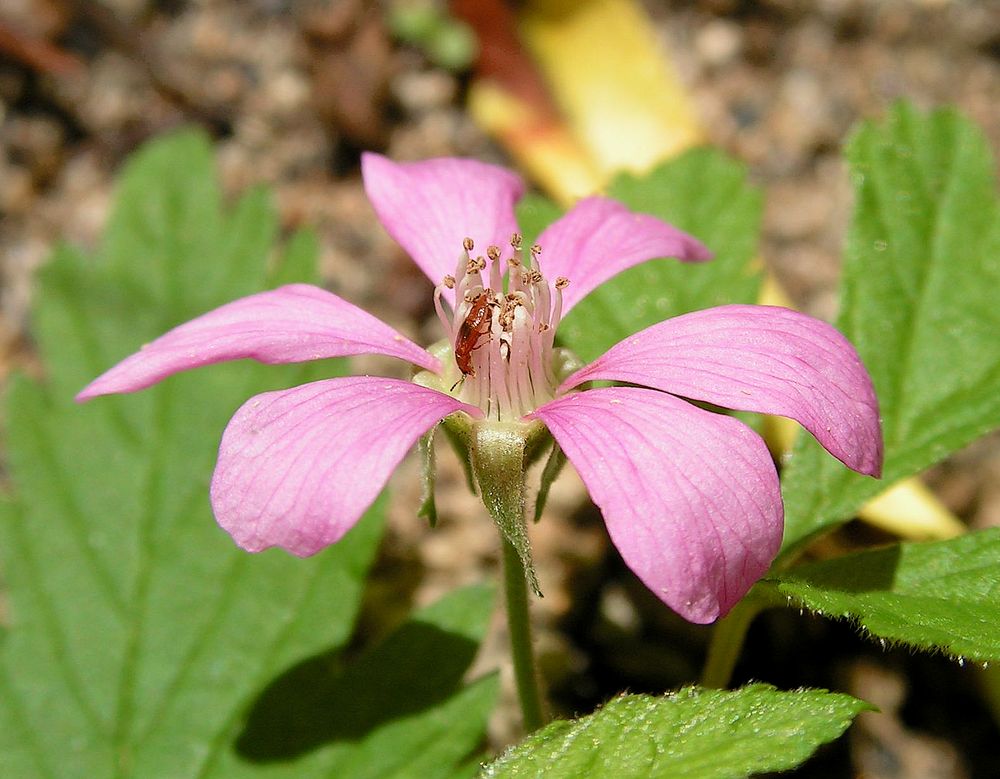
pixel 544 149
pixel 910 510
pixel 616 89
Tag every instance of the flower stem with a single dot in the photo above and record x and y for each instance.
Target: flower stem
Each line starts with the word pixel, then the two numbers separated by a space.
pixel 519 626
pixel 727 641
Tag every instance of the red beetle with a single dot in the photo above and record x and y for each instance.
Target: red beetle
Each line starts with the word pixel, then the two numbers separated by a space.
pixel 473 329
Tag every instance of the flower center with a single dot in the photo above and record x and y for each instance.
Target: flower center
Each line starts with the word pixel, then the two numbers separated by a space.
pixel 502 342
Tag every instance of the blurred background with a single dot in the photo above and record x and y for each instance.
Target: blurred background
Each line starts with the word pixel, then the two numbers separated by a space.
pixel 292 92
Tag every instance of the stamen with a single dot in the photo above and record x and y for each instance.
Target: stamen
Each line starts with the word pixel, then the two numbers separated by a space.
pixel 473 292
pixel 514 263
pixel 546 335
pixel 536 368
pixel 498 367
pixel 506 317
pixel 520 371
pixel 519 299
pixel 549 336
pixel 481 365
pixel 535 251
pixel 463 259
pixel 468 276
pixel 561 283
pixel 543 300
pixel 509 371
pixel 514 274
pixel 439 306
pixel 496 282
pixel 505 347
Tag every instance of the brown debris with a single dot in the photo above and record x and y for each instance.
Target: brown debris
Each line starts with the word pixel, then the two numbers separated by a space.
pixel 350 61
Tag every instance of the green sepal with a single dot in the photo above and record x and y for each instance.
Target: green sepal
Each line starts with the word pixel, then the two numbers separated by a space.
pixel 428 508
pixel 498 458
pixel 553 465
pixel 458 428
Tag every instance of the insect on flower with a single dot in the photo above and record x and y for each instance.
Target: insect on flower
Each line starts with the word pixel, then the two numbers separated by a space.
pixel 473 329
pixel 690 498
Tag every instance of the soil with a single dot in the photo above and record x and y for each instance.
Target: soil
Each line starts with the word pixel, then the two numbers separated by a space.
pixel 292 91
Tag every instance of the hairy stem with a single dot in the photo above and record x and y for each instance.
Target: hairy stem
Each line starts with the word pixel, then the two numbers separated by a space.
pixel 519 626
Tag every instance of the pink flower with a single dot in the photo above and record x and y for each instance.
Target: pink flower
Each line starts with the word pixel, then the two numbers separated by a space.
pixel 690 497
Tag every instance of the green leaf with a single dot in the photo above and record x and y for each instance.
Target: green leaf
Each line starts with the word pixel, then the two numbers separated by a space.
pixel 709 734
pixel 942 595
pixel 919 300
pixel 704 193
pixel 534 213
pixel 446 41
pixel 298 262
pixel 400 710
pixel 138 631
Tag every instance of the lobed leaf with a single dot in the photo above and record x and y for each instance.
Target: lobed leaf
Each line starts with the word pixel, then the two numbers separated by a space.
pixel 139 634
pixel 709 734
pixel 943 595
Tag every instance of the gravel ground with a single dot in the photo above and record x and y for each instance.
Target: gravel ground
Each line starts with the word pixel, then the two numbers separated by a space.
pixel 293 90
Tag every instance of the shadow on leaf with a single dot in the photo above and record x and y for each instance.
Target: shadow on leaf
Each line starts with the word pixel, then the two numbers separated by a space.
pixel 873 571
pixel 313 703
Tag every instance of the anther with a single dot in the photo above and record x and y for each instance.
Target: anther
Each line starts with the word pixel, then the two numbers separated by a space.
pixel 468 244
pixel 493 252
pixel 515 242
pixel 562 282
pixel 449 281
pixel 536 250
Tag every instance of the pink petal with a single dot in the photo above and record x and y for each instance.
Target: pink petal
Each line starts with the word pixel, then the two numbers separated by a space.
pixel 599 238
pixel 298 467
pixel 690 498
pixel 295 323
pixel 758 358
pixel 430 207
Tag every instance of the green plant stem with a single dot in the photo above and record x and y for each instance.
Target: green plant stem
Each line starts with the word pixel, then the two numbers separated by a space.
pixel 727 641
pixel 519 626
